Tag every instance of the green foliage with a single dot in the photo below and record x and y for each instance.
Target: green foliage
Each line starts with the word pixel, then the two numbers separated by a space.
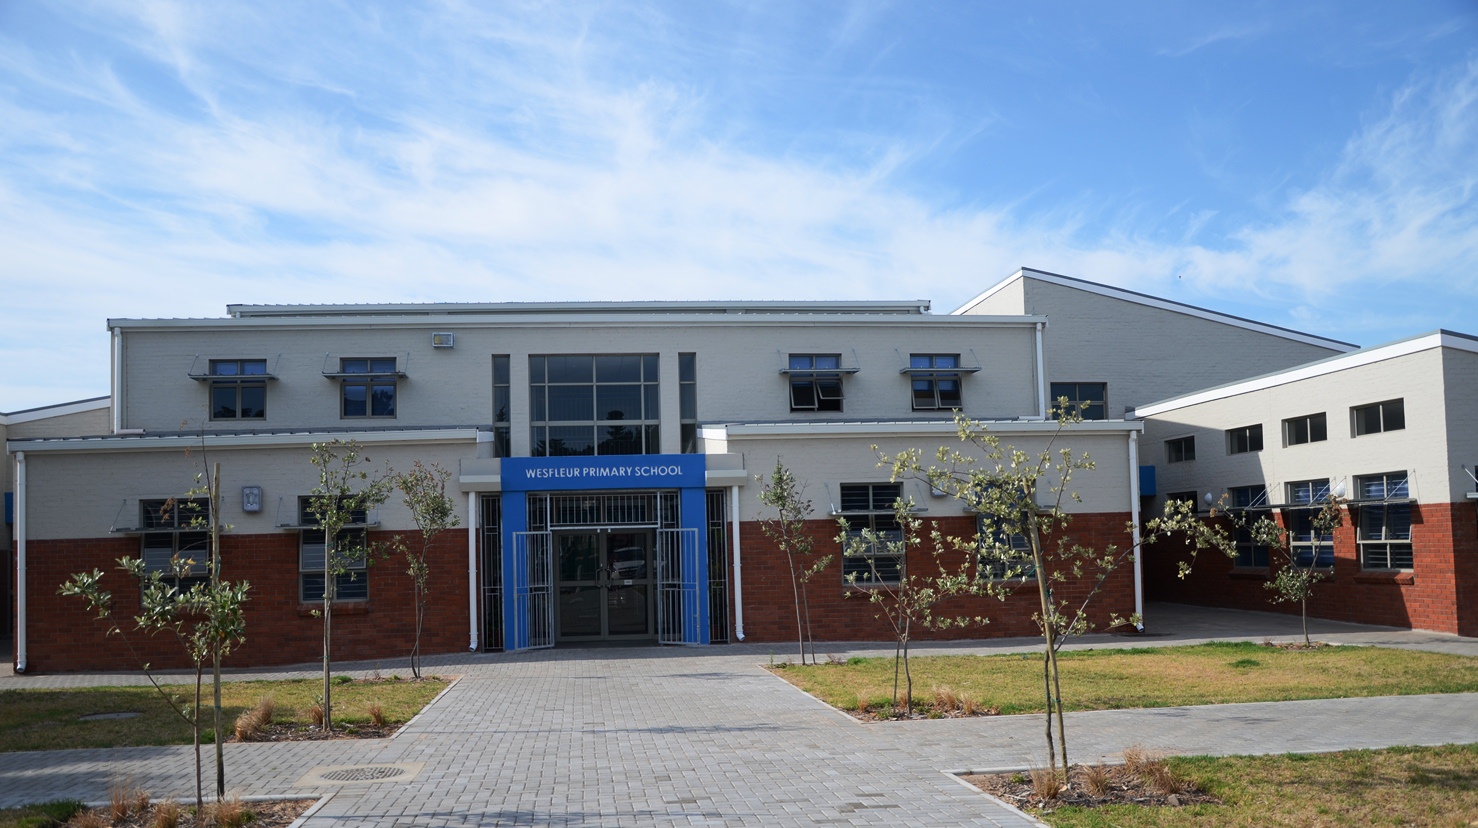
pixel 44 815
pixel 346 487
pixel 1023 536
pixel 1291 581
pixel 787 530
pixel 424 488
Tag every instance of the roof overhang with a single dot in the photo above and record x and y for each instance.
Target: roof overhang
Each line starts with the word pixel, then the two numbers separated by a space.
pixel 180 442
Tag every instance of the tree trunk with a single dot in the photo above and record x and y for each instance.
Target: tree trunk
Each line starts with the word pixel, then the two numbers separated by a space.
pixel 329 584
pixel 907 674
pixel 199 767
pixel 795 594
pixel 420 620
pixel 215 586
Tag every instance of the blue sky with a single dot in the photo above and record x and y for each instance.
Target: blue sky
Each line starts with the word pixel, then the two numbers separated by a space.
pixel 1313 165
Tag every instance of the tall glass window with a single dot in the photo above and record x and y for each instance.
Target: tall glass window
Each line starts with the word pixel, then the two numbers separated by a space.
pixel 585 405
pixel 687 393
pixel 501 388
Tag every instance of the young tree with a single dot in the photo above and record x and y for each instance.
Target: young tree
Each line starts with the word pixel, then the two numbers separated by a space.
pixel 425 494
pixel 346 492
pixel 787 530
pixel 1021 500
pixel 914 597
pixel 207 619
pixel 1300 571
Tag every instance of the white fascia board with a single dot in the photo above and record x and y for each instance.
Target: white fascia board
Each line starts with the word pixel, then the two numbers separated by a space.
pixel 1343 362
pixel 181 442
pixel 810 430
pixel 641 320
pixel 1162 304
pixel 59 410
pixel 906 306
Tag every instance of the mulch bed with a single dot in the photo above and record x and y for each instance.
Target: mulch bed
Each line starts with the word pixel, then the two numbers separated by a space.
pixel 309 733
pixel 888 714
pixel 1124 788
pixel 277 814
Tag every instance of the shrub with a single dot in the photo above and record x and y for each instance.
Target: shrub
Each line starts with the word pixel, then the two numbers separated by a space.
pixel 1096 780
pixel 377 715
pixel 231 813
pixel 1046 782
pixel 166 814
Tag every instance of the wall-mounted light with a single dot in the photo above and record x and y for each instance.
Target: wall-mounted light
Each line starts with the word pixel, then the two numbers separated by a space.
pixel 251 498
pixel 1339 489
pixel 445 339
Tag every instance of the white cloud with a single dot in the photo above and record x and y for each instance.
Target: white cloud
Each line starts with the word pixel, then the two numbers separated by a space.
pixel 503 155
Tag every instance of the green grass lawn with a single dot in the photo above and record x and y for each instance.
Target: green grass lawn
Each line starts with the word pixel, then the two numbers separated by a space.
pixel 1433 787
pixel 51 719
pixel 44 815
pixel 1217 673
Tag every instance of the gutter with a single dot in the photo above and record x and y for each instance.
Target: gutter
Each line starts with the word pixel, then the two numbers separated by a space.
pixel 1134 522
pixel 738 567
pixel 472 571
pixel 21 656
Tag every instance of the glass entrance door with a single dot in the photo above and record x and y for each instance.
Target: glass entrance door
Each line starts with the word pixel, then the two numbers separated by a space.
pixel 605 584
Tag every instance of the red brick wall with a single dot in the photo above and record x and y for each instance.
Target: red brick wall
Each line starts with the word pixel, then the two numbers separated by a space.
pixel 840 612
pixel 64 636
pixel 1440 593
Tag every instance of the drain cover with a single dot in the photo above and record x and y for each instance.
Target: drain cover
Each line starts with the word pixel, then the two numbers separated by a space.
pixel 99 717
pixel 366 774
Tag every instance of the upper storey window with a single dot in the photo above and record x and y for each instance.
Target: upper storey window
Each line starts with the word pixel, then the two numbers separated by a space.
pixel 1244 439
pixel 585 404
pixel 1090 399
pixel 238 389
pixel 1310 428
pixel 1377 417
pixel 368 387
pixel 1180 450
pixel 815 382
pixel 936 381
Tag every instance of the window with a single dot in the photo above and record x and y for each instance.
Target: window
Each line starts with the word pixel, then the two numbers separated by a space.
pixel 815 382
pixel 1180 450
pixel 1384 529
pixel 1249 552
pixel 1087 398
pixel 1245 439
pixel 870 506
pixel 1306 498
pixel 1311 428
pixel 1184 497
pixel 1377 417
pixel 368 387
pixel 502 430
pixel 349 551
pixel 176 527
pixel 936 381
pixel 238 389
pixel 586 405
pixel 687 398
pixel 996 563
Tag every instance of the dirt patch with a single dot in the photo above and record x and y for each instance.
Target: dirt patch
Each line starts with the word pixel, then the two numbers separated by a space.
pixel 920 711
pixel 309 733
pixel 1120 786
pixel 275 814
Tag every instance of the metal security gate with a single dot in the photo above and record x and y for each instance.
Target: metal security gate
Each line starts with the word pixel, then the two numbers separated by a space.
pixel 534 596
pixel 677 595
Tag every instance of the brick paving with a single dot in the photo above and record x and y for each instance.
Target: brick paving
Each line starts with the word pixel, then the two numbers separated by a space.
pixel 648 736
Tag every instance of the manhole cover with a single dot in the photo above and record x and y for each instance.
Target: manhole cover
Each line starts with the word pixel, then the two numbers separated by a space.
pixel 362 774
pixel 100 717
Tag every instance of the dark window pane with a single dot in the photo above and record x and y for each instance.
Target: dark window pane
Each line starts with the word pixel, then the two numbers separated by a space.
pixel 686 368
pixel 500 370
pixel 1367 420
pixel 949 393
pixel 1318 428
pixel 382 401
pixel 352 586
pixel 1393 416
pixel 253 401
pixel 254 366
pixel 571 441
pixel 382 366
pixel 312 586
pixel 571 402
pixel 801 362
pixel 500 404
pixel 355 397
pixel 536 369
pixel 618 369
pixel 654 446
pixel 919 361
pixel 620 439
pixel 618 402
pixel 223 402
pixel 687 402
pixel 354 366
pixel 802 395
pixel 689 438
pixel 224 367
pixel 649 367
pixel 569 368
pixel 537 410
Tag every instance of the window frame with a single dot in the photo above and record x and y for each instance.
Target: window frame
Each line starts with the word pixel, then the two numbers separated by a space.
pixel 857 570
pixel 181 526
pixel 502 405
pixel 687 402
pixel 1086 407
pixel 824 382
pixel 1387 513
pixel 1244 439
pixel 544 401
pixel 1243 500
pixel 1386 411
pixel 999 569
pixel 236 383
pixel 1308 421
pixel 373 378
pixel 1304 547
pixel 1187 447
pixel 356 578
pixel 927 375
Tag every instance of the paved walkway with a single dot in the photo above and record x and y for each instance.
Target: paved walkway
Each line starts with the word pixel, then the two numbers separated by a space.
pixel 706 737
